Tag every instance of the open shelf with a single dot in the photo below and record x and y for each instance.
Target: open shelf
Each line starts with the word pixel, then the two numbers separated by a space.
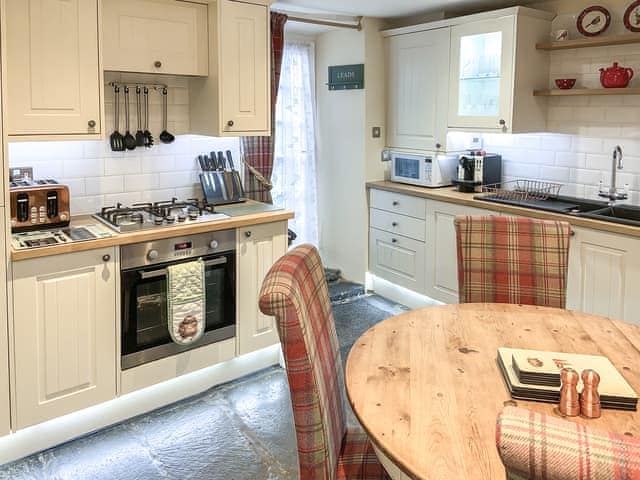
pixel 574 92
pixel 591 42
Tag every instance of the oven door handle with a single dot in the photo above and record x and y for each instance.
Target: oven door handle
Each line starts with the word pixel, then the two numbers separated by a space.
pixel 163 271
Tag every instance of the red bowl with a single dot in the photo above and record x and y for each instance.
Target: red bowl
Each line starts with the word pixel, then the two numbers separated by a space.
pixel 565 83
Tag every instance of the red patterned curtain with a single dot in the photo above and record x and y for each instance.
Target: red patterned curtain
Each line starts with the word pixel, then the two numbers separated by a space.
pixel 258 151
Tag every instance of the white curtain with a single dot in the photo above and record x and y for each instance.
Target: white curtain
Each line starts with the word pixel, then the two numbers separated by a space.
pixel 294 169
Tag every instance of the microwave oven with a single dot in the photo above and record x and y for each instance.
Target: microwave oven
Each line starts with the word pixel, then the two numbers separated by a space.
pixel 425 170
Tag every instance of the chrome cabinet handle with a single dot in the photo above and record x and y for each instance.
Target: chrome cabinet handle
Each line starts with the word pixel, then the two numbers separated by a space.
pixel 106 257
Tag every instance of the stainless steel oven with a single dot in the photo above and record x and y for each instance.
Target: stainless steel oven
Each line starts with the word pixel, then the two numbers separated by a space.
pixel 143 278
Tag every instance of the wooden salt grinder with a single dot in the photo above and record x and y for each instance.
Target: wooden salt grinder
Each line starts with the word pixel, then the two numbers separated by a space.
pixel 569 399
pixel 590 398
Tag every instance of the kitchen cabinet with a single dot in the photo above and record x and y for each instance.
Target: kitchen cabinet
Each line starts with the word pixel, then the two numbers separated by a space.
pixel 604 272
pixel 418 89
pixel 235 100
pixel 494 69
pixel 64 333
pixel 52 68
pixel 5 424
pixel 156 36
pixel 259 246
pixel 442 255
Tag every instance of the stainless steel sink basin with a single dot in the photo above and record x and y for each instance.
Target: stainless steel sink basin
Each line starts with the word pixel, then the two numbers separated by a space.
pixel 629 215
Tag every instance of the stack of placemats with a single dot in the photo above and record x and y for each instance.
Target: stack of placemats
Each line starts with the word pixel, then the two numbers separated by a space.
pixel 535 376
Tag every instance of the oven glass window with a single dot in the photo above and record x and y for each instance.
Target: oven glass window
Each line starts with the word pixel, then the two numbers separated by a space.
pixel 151 311
pixel 407 168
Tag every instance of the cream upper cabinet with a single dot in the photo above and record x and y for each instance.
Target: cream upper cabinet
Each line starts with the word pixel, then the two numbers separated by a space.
pixel 64 333
pixel 494 69
pixel 259 246
pixel 52 67
pixel 418 89
pixel 604 273
pixel 235 99
pixel 156 36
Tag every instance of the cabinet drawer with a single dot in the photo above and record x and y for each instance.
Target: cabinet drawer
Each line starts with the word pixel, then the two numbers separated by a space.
pixel 398 203
pixel 397 259
pixel 399 224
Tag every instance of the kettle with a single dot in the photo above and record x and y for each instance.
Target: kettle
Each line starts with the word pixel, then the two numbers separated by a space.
pixel 615 76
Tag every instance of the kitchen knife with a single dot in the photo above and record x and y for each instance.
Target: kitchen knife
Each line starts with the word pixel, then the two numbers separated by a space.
pixel 221 162
pixel 211 163
pixel 230 160
pixel 202 162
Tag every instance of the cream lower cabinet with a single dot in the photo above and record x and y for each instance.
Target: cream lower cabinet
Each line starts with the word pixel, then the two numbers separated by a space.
pixel 604 274
pixel 259 246
pixel 64 327
pixel 442 256
pixel 52 68
pixel 5 423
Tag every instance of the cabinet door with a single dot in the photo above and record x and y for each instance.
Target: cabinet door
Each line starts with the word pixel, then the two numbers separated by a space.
pixel 398 259
pixel 155 36
pixel 481 78
pixel 64 323
pixel 52 67
pixel 5 424
pixel 418 89
pixel 259 247
pixel 243 72
pixel 604 272
pixel 442 259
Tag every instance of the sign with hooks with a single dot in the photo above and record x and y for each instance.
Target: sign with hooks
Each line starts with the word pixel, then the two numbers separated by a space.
pixel 346 77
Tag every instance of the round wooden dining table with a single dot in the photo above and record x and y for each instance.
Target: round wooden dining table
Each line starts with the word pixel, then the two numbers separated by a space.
pixel 427 389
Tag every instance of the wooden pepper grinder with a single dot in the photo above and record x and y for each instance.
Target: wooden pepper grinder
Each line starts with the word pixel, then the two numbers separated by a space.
pixel 590 398
pixel 569 399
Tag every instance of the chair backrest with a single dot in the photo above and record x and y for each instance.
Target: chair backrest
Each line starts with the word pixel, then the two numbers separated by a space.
pixel 295 292
pixel 512 260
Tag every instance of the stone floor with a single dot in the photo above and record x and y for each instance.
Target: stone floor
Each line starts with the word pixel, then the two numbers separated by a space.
pixel 242 430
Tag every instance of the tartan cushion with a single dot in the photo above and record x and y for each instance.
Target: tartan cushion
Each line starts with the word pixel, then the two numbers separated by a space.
pixel 295 292
pixel 512 260
pixel 357 459
pixel 536 446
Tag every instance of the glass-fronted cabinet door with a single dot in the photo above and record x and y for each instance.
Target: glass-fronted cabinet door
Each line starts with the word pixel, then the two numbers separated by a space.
pixel 482 74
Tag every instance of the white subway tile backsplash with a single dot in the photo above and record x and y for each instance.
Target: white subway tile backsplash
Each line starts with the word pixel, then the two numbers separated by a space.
pixel 78 168
pixel 158 163
pixel 122 166
pixel 102 185
pixel 86 205
pixel 570 159
pixel 586 177
pixel 141 182
pixel 124 198
pixel 557 174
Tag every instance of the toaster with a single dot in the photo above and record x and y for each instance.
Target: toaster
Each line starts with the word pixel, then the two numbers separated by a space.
pixel 38 204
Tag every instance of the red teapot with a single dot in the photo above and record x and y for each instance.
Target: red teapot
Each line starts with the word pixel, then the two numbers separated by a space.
pixel 615 76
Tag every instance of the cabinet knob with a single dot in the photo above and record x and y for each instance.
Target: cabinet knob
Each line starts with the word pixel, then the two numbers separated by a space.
pixel 247 234
pixel 106 257
pixel 394 240
pixel 394 224
pixel 157 64
pixel 502 122
pixel 395 203
pixel 91 123
pixel 230 123
pixel 438 146
pixel 572 233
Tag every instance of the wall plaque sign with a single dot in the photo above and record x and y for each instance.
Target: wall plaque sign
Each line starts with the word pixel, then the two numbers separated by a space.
pixel 346 77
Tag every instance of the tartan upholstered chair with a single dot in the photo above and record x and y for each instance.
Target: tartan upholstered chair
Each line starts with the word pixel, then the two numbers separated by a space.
pixel 512 260
pixel 535 446
pixel 295 292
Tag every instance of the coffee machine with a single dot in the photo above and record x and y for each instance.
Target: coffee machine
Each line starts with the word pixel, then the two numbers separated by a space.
pixel 477 169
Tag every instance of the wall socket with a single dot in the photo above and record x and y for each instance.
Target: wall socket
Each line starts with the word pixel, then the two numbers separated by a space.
pixel 376 132
pixel 20 173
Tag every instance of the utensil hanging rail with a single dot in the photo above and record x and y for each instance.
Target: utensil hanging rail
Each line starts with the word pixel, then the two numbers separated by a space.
pixel 154 86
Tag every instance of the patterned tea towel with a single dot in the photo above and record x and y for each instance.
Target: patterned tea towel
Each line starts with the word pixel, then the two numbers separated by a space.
pixel 186 297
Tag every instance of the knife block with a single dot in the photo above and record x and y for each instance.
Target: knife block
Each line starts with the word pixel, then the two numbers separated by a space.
pixel 222 188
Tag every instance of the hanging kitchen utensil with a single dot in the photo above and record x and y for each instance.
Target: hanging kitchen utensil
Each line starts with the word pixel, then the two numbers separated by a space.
pixel 139 133
pixel 116 139
pixel 165 137
pixel 148 138
pixel 129 140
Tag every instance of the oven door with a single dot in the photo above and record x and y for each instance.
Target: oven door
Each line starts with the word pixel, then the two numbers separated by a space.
pixel 145 331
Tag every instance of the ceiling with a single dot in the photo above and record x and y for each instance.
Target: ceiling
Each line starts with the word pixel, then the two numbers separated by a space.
pixel 389 8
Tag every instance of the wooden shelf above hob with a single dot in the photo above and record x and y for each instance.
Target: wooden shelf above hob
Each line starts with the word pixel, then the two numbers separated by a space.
pixel 590 42
pixel 576 92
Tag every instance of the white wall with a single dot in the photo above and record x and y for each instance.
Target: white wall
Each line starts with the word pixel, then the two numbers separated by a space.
pixel 347 155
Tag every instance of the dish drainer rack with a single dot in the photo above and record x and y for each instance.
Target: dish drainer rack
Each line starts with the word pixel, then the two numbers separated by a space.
pixel 523 190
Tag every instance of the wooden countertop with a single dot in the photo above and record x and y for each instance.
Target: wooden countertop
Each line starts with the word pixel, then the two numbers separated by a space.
pixel 426 387
pixel 243 219
pixel 451 195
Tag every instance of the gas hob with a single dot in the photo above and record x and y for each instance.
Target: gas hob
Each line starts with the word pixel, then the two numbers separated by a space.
pixel 145 216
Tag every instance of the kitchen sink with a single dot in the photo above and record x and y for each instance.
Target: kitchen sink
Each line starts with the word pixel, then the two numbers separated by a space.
pixel 629 215
pixel 560 204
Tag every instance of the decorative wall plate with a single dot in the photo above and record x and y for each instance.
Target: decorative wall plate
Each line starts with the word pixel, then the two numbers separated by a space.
pixel 593 21
pixel 632 17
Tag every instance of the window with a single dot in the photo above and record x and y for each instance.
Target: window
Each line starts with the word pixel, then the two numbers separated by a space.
pixel 294 169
